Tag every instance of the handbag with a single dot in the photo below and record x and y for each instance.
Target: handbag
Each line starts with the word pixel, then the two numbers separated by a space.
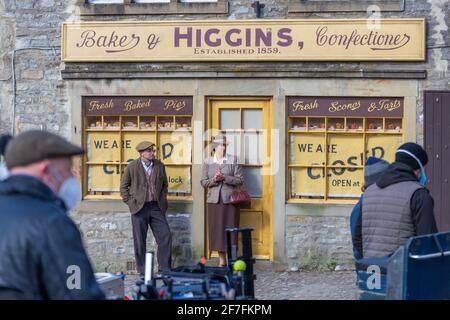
pixel 240 197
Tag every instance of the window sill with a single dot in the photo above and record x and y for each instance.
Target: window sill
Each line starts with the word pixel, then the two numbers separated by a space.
pixel 115 198
pixel 220 7
pixel 321 201
pixel 303 6
pixel 117 205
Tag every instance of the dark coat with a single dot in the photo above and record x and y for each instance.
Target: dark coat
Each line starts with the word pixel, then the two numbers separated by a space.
pixel 422 204
pixel 134 186
pixel 38 244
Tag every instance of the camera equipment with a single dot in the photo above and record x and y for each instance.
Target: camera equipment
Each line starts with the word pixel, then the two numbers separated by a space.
pixel 201 282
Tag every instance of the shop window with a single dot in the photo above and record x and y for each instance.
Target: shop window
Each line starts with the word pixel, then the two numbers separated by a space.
pixel 330 139
pixel 113 126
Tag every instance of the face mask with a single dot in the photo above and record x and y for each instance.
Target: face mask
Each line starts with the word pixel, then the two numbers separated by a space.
pixel 70 191
pixel 423 176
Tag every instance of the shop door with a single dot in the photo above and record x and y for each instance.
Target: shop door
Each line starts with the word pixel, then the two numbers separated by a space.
pixel 437 144
pixel 247 125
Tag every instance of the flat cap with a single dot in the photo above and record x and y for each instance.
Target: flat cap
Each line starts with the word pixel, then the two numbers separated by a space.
pixel 35 145
pixel 144 145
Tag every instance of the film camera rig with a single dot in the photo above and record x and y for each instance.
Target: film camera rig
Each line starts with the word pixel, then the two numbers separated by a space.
pixel 200 282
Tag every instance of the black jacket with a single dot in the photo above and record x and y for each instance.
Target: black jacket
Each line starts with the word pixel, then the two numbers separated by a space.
pixel 40 247
pixel 422 204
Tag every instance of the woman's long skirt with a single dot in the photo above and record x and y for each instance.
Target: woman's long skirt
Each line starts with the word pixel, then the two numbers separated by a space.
pixel 221 216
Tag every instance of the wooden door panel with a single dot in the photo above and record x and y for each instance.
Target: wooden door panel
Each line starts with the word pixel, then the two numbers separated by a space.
pixel 253 219
pixel 437 145
pixel 248 118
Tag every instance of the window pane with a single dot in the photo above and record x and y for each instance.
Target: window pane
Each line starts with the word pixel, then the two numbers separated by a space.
pixel 230 119
pixel 307 149
pixel 253 147
pixel 179 178
pixel 104 178
pixel 393 125
pixel 345 150
pixel 130 123
pixel 253 181
pixel 307 183
pixel 345 182
pixel 234 147
pixel 147 123
pixel 252 119
pixel 131 140
pixel 103 146
pixel 383 146
pixel 175 147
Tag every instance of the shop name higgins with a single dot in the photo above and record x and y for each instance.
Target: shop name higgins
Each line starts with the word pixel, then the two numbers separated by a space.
pixel 242 38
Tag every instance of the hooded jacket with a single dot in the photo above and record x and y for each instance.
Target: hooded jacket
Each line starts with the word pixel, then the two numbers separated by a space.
pixel 41 252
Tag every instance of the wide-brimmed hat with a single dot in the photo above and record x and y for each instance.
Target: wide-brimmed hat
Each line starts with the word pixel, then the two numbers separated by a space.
pixel 220 139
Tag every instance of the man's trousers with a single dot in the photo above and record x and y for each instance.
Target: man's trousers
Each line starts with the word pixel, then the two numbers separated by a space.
pixel 151 215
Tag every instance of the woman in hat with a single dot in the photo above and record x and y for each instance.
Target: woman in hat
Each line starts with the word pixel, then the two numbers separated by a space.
pixel 221 175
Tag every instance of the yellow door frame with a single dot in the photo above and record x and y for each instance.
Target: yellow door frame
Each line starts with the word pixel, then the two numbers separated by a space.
pixel 267 200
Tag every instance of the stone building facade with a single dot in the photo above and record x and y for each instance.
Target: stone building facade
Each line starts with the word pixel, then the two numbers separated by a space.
pixel 37 90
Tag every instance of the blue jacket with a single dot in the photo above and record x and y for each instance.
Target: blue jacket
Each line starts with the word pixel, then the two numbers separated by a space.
pixel 41 250
pixel 355 229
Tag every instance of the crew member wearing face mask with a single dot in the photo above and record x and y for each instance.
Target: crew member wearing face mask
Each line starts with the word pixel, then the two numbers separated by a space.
pixel 40 246
pixel 398 206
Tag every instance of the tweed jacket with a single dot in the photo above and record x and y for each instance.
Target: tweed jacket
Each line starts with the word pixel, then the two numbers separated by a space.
pixel 134 185
pixel 234 178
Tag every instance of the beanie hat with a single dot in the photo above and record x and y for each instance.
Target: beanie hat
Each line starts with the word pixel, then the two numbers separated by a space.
pixel 373 168
pixel 409 160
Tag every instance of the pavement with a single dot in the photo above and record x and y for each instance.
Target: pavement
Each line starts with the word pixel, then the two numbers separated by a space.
pixel 294 285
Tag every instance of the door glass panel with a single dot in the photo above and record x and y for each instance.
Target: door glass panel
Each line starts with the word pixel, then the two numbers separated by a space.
pixel 253 147
pixel 253 181
pixel 234 147
pixel 230 119
pixel 252 119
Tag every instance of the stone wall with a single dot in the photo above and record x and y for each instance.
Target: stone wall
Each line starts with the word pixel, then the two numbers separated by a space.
pixel 318 242
pixel 34 93
pixel 108 238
